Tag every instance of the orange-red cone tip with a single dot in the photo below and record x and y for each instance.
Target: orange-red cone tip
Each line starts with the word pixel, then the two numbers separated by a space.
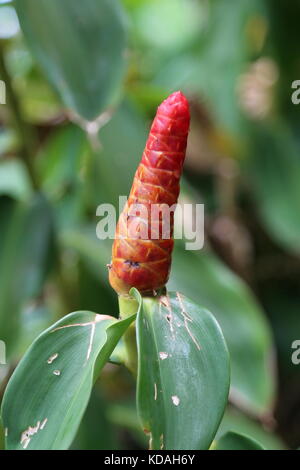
pixel 144 261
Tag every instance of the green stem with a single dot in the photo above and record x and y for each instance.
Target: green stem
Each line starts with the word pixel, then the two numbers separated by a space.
pixel 129 306
pixel 23 130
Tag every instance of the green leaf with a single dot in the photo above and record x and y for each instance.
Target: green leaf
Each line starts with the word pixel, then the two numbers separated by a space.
pixel 273 170
pixel 2 437
pixel 183 374
pixel 168 25
pixel 25 248
pixel 14 180
pixel 223 37
pixel 49 391
pixel 61 164
pixel 237 421
pixel 235 441
pixel 116 162
pixel 60 160
pixel 80 47
pixel 201 276
pixel 8 141
pixel 90 435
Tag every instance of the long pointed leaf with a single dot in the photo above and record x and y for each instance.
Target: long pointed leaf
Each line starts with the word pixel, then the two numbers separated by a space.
pixel 183 376
pixel 203 277
pixel 49 391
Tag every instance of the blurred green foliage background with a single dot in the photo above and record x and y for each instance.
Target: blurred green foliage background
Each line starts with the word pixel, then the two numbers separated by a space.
pixel 83 80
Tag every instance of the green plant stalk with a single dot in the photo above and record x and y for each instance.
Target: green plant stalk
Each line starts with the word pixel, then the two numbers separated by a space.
pixel 129 306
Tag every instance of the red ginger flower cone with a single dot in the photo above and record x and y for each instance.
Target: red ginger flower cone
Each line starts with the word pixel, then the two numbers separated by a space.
pixel 144 261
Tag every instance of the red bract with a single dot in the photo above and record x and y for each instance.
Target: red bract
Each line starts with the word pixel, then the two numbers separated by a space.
pixel 141 256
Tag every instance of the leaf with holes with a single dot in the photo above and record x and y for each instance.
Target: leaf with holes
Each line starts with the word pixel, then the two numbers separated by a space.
pixel 49 391
pixel 183 373
pixel 204 278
